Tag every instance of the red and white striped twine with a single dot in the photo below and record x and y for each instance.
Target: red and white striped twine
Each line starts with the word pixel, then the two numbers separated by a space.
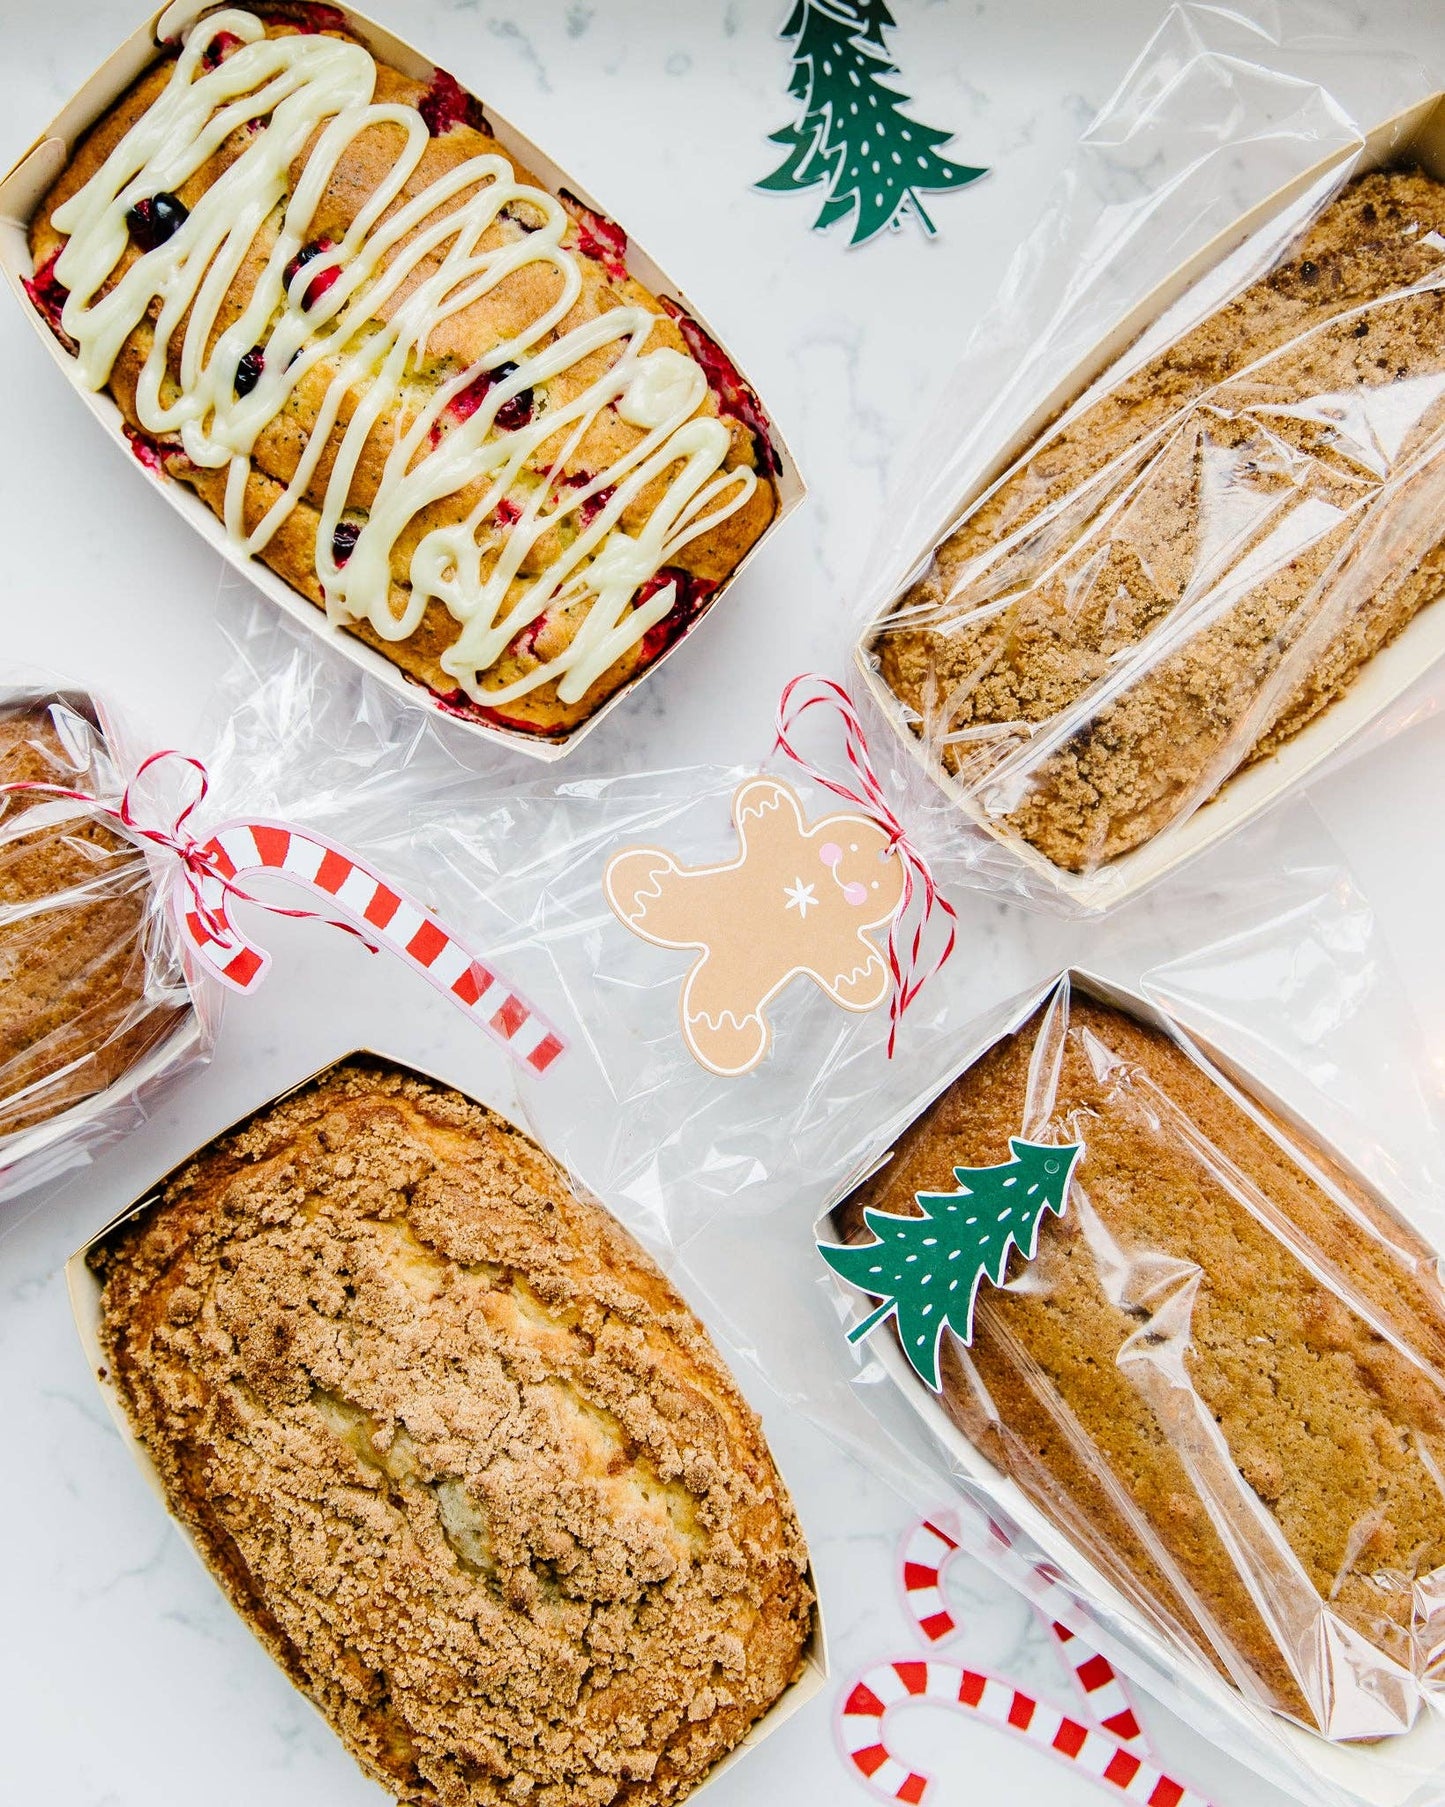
pixel 905 962
pixel 1103 1741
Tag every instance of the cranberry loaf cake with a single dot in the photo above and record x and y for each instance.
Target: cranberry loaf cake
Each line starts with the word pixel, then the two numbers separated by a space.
pixel 420 387
pixel 1185 571
pixel 83 992
pixel 1221 1374
pixel 457 1451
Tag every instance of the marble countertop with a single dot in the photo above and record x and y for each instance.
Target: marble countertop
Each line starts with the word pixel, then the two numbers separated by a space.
pixel 127 1681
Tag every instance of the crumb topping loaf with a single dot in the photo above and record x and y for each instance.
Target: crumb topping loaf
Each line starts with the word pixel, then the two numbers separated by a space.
pixel 458 1452
pixel 1221 1375
pixel 418 385
pixel 80 1003
pixel 1183 575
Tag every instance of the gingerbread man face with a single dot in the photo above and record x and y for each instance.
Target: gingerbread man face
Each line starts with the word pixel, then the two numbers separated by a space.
pixel 798 901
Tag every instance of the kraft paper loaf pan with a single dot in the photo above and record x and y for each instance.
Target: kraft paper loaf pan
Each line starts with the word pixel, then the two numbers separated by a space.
pixel 1390 1772
pixel 26 184
pixel 186 1041
pixel 1416 137
pixel 85 1295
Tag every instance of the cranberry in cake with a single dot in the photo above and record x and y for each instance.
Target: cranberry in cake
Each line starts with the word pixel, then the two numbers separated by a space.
pixel 420 386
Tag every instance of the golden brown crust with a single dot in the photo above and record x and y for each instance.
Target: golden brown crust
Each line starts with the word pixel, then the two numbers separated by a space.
pixel 459 1453
pixel 79 1005
pixel 1093 585
pixel 1322 1379
pixel 461 340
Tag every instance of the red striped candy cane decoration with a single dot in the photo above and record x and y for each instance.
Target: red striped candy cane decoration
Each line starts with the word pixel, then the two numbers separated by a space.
pixel 1102 1689
pixel 1087 1749
pixel 206 884
pixel 927 1551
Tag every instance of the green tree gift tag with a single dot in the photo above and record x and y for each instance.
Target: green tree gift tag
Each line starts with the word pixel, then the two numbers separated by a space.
pixel 927 1269
pixel 854 134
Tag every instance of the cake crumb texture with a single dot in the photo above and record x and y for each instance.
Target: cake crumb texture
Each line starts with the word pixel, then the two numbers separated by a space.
pixel 1220 1375
pixel 81 998
pixel 465 1461
pixel 1185 572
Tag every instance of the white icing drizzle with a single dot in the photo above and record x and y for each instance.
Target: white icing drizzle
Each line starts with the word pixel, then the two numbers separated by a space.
pixel 288 90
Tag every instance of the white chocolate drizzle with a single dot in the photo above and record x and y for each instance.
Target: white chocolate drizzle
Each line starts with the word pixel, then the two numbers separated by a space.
pixel 287 91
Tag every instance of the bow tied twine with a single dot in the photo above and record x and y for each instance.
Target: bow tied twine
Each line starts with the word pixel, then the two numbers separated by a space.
pixel 905 957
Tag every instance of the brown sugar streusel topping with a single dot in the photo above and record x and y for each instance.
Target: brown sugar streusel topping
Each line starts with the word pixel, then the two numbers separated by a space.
pixel 456 1449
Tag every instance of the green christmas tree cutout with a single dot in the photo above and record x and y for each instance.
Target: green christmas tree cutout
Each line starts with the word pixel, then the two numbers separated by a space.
pixel 853 134
pixel 927 1269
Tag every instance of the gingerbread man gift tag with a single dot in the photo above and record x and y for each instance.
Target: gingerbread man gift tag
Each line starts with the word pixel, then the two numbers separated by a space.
pixel 800 900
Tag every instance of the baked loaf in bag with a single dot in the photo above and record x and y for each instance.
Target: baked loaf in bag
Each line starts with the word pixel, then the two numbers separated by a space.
pixel 462 1458
pixel 417 384
pixel 1221 1375
pixel 1201 555
pixel 90 984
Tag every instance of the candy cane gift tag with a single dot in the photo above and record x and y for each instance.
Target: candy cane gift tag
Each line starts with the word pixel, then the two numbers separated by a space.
pixel 382 915
pixel 1089 1751
pixel 206 882
pixel 927 1551
pixel 1102 1741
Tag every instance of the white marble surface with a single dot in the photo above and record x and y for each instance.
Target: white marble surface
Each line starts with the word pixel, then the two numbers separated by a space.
pixel 126 1681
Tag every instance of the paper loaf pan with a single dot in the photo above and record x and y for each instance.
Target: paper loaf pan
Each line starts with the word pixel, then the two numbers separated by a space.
pixel 1415 137
pixel 22 190
pixel 85 1295
pixel 1398 1770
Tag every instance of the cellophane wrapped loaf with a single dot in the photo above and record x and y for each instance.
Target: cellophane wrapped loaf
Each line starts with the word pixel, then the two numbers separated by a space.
pixel 1202 554
pixel 1222 1378
pixel 90 981
pixel 420 386
pixel 466 1463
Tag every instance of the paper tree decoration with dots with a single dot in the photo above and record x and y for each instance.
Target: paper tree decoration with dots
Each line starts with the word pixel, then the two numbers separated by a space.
pixel 853 135
pixel 927 1269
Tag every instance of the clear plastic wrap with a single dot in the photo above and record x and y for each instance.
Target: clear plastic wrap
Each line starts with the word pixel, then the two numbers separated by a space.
pixel 97 1013
pixel 1189 544
pixel 1220 1375
pixel 517 864
pixel 1212 1404
pixel 1267 950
